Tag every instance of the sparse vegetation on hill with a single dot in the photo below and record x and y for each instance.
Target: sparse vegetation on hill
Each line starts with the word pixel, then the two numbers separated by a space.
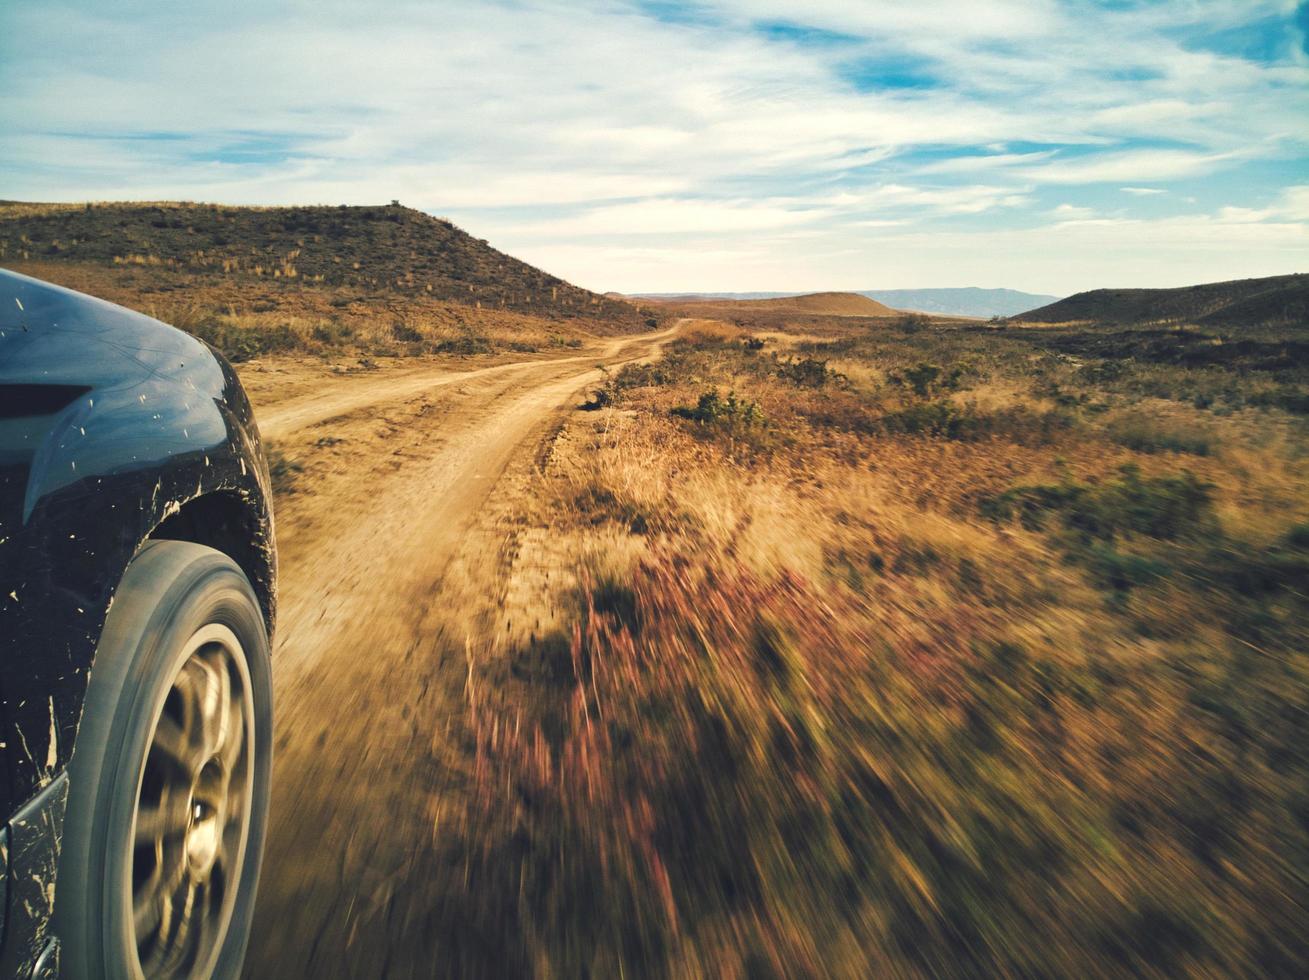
pixel 1241 302
pixel 305 277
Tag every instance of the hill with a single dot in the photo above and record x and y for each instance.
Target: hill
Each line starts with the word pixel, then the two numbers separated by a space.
pixel 966 301
pixel 818 304
pixel 389 252
pixel 1274 300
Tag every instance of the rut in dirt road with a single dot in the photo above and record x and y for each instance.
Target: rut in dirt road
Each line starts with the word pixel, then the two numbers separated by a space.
pixel 389 569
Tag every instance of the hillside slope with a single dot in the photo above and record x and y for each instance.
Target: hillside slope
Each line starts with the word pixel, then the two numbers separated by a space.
pixel 389 250
pixel 1274 300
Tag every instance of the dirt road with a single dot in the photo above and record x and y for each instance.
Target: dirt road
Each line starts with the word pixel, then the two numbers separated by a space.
pixel 389 568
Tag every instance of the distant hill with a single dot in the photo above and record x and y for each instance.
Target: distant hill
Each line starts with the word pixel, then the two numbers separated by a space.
pixel 966 301
pixel 386 251
pixel 697 297
pixel 821 304
pixel 1275 300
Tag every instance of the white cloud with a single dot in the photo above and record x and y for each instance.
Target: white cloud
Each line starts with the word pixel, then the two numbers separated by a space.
pixel 969 199
pixel 1135 165
pixel 578 133
pixel 672 216
pixel 991 161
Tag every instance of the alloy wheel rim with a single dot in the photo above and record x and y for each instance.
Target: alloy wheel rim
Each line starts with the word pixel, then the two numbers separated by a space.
pixel 192 816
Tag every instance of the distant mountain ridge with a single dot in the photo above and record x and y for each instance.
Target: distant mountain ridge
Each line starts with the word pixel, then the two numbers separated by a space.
pixel 945 301
pixel 1271 300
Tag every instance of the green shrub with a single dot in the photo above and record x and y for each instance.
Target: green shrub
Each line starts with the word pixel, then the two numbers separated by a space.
pixel 601 398
pixel 1285 397
pixel 1120 571
pixel 1255 571
pixel 642 376
pixel 925 378
pixel 944 419
pixel 912 323
pixel 465 346
pixel 806 373
pixel 331 333
pixel 1164 507
pixel 1148 435
pixel 238 343
pixel 713 409
pixel 405 333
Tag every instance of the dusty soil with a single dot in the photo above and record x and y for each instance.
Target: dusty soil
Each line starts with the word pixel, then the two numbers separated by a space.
pixel 394 561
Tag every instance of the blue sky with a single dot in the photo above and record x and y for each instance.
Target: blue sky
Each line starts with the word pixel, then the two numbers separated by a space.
pixel 658 145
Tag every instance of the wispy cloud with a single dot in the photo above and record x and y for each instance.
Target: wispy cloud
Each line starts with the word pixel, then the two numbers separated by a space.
pixel 1142 165
pixel 599 136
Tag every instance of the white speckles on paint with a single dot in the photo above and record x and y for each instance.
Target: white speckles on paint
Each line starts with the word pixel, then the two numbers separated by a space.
pixel 14 595
pixel 52 754
pixel 19 302
pixel 243 471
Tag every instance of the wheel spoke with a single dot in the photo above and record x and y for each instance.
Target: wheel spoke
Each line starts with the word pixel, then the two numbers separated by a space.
pixel 186 903
pixel 149 911
pixel 196 684
pixel 233 742
pixel 160 823
pixel 171 744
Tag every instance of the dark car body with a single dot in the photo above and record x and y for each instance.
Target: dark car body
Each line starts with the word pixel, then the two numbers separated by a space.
pixel 114 429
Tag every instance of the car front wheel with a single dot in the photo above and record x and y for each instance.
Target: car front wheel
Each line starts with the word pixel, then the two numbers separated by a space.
pixel 169 779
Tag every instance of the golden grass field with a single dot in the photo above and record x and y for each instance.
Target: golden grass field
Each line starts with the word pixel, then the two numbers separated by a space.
pixel 939 652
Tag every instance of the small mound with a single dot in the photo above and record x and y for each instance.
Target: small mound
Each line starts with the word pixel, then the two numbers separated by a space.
pixel 831 304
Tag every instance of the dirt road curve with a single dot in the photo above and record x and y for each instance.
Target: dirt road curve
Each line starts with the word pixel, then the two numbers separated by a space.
pixel 388 564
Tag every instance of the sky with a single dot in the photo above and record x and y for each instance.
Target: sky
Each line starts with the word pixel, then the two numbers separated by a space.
pixel 666 146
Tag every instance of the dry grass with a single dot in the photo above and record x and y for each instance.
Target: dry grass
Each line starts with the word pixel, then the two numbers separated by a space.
pixel 838 698
pixel 389 256
pixel 245 321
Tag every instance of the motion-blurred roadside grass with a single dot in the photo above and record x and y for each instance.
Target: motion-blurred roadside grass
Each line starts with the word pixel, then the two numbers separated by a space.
pixel 916 650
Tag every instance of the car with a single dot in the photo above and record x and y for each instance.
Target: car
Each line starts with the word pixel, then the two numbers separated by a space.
pixel 137 604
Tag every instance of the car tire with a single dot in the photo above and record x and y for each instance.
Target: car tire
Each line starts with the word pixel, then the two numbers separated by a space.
pixel 169 778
